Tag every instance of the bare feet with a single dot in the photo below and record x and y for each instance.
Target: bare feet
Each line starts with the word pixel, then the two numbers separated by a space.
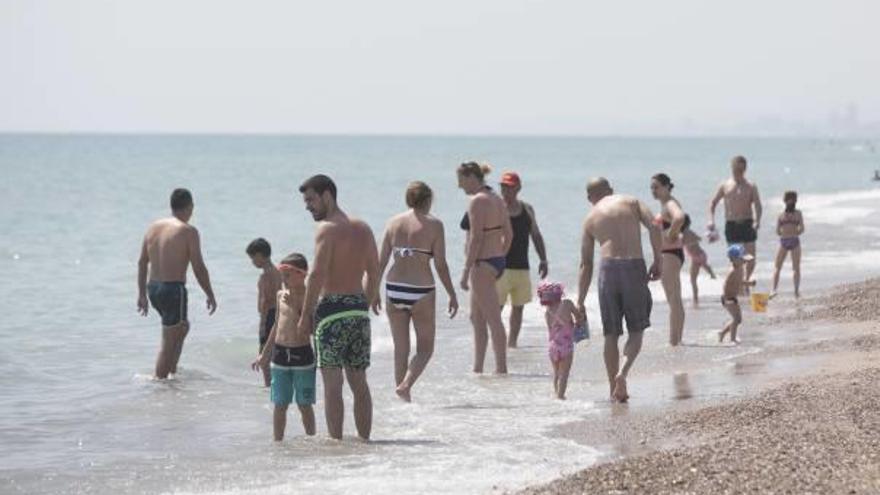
pixel 721 335
pixel 620 393
pixel 402 391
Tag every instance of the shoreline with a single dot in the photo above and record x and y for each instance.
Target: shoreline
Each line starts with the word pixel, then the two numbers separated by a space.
pixel 796 429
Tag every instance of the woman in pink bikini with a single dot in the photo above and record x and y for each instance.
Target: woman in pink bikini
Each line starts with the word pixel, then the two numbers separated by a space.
pixel 561 315
pixel 789 227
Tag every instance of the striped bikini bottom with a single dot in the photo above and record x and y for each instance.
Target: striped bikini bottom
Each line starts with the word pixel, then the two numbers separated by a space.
pixel 404 296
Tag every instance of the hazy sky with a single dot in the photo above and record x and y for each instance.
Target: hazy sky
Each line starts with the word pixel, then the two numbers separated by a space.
pixel 409 66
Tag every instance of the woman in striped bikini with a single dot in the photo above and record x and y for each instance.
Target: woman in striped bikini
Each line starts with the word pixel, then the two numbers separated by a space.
pixel 413 238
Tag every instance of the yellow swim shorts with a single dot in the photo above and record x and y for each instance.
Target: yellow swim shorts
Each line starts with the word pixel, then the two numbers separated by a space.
pixel 516 284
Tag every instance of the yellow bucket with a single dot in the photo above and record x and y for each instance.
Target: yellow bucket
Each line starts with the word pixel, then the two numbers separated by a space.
pixel 759 301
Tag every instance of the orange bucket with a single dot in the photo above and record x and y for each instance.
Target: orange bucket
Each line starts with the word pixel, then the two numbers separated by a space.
pixel 759 301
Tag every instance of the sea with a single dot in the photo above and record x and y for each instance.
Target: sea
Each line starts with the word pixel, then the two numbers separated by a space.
pixel 80 413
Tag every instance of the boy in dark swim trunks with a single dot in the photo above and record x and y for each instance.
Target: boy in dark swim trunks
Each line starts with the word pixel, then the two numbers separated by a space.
pixel 292 358
pixel 732 287
pixel 268 286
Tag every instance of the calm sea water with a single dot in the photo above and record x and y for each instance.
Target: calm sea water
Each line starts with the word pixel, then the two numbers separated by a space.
pixel 80 414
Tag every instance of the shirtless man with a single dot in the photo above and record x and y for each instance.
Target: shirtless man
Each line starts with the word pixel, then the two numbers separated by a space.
pixel 345 251
pixel 170 246
pixel 623 279
pixel 742 211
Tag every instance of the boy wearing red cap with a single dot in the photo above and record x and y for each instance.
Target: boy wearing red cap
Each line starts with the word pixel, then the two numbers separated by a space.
pixel 288 351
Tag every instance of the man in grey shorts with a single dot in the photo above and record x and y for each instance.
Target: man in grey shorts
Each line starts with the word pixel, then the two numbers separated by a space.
pixel 623 277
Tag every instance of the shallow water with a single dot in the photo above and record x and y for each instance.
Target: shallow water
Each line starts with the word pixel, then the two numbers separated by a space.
pixel 80 413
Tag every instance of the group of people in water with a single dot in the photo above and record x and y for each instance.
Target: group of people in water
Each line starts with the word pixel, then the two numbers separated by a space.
pixel 316 315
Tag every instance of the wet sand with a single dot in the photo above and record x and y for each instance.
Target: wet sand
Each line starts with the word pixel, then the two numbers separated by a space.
pixel 805 417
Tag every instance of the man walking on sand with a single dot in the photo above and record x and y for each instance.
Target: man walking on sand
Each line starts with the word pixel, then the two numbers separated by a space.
pixel 345 251
pixel 514 282
pixel 614 222
pixel 742 211
pixel 169 247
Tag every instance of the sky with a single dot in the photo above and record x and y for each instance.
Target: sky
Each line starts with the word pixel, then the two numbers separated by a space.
pixel 631 67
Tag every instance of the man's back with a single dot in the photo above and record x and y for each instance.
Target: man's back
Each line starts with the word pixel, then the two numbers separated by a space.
pixel 348 240
pixel 167 242
pixel 614 223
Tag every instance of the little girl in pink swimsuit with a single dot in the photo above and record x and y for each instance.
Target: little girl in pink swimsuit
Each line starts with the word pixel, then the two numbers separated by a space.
pixel 698 257
pixel 560 315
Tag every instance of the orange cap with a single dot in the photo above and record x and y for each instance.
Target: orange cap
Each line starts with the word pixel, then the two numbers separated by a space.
pixel 510 179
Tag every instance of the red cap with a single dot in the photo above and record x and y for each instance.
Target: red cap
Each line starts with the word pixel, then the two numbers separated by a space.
pixel 510 179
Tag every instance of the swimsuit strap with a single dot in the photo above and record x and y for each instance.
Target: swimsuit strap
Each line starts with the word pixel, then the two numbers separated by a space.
pixel 486 229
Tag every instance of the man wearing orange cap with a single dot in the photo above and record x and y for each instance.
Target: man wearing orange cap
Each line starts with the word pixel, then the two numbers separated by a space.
pixel 515 282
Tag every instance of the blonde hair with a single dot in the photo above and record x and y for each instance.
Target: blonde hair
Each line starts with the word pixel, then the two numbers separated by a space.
pixel 418 194
pixel 475 169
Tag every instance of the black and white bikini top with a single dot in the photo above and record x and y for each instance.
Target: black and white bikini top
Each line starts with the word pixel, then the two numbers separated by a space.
pixel 406 251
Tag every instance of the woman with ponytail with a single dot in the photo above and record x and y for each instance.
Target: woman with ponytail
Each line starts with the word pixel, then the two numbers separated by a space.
pixel 489 235
pixel 670 221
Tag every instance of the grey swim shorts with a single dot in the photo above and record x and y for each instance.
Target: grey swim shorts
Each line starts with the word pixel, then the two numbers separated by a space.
pixel 623 293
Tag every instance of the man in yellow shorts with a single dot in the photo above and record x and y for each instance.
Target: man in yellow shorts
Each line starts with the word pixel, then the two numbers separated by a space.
pixel 515 283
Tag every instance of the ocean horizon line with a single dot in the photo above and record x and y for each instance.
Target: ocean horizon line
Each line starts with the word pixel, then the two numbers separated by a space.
pixel 418 135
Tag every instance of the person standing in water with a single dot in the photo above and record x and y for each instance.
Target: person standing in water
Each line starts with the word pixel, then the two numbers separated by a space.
pixel 489 235
pixel 345 277
pixel 615 223
pixel 414 238
pixel 742 211
pixel 670 221
pixel 789 227
pixel 268 285
pixel 170 246
pixel 515 283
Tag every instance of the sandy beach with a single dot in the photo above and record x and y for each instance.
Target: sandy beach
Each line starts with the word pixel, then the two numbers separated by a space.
pixel 815 429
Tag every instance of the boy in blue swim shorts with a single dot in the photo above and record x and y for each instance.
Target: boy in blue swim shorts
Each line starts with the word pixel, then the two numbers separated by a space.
pixel 287 353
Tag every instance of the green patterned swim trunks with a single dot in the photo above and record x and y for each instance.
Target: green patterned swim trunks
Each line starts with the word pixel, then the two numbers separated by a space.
pixel 342 331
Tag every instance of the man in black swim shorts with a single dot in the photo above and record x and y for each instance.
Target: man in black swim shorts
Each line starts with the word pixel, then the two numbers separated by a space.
pixel 169 247
pixel 742 210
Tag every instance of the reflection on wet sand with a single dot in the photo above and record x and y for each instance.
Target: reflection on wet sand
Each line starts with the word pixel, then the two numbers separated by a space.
pixel 682 384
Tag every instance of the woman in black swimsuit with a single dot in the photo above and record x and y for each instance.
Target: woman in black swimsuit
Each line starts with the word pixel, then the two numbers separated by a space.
pixel 670 220
pixel 488 239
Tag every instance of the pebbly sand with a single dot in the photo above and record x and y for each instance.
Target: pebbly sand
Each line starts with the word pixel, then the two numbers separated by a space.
pixel 814 431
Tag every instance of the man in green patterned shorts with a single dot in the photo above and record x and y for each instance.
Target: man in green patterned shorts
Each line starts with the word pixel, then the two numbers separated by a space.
pixel 345 250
